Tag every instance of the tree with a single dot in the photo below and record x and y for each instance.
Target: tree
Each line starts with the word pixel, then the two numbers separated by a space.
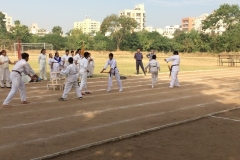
pixel 56 40
pixel 20 32
pixel 57 30
pixel 226 15
pixel 119 27
pixel 2 23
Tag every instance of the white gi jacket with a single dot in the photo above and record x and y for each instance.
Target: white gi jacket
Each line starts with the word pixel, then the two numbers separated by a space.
pixel 84 65
pixel 175 62
pixel 42 59
pixel 154 66
pixel 23 67
pixel 71 72
pixel 4 59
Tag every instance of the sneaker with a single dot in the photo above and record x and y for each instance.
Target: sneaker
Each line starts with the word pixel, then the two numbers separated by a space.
pixel 120 90
pixel 80 98
pixel 24 102
pixel 62 99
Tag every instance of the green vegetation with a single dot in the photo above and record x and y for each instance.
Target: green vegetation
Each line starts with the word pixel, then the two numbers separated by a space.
pixel 124 38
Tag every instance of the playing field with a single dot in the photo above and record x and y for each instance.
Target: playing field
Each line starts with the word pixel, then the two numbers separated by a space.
pixel 195 121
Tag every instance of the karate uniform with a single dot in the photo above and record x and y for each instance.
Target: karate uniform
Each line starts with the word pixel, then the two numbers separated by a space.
pixel 83 72
pixel 50 63
pixel 175 69
pixel 65 60
pixel 77 59
pixel 71 82
pixel 4 71
pixel 42 66
pixel 154 68
pixel 115 72
pixel 90 67
pixel 56 64
pixel 17 83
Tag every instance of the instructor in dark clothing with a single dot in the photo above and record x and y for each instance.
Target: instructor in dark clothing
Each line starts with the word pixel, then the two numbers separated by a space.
pixel 139 56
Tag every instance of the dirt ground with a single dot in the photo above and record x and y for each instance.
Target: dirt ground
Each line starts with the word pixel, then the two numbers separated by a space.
pixel 47 126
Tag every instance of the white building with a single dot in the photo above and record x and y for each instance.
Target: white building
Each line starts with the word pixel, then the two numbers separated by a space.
pixel 8 22
pixel 34 29
pixel 138 14
pixel 199 22
pixel 88 26
pixel 170 30
pixel 151 29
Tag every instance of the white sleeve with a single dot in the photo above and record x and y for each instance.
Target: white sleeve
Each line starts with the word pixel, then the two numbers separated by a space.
pixel 28 70
pixel 158 65
pixel 39 57
pixel 106 65
pixel 85 64
pixel 147 65
pixel 66 71
pixel 170 59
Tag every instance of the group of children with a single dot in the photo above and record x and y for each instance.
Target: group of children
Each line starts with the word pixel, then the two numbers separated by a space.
pixel 74 66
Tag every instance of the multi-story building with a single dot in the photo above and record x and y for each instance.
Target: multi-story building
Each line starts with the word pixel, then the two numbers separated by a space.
pixel 199 22
pixel 8 22
pixel 88 26
pixel 188 24
pixel 34 29
pixel 151 29
pixel 170 30
pixel 138 14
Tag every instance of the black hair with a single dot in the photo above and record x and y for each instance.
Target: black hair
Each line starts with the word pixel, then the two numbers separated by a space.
pixel 86 54
pixel 43 50
pixel 49 54
pixel 70 60
pixel 67 50
pixel 175 52
pixel 154 57
pixel 0 53
pixel 24 55
pixel 110 55
pixel 55 53
pixel 72 51
pixel 78 50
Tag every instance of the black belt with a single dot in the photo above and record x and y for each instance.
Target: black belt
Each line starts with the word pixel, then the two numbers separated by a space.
pixel 113 72
pixel 17 72
pixel 170 69
pixel 139 60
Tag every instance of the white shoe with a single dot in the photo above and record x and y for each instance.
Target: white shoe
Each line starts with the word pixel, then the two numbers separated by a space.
pixel 120 90
pixel 109 89
pixel 170 87
pixel 152 86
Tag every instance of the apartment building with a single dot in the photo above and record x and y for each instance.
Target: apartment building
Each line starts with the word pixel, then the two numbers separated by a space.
pixel 138 13
pixel 88 26
pixel 8 21
pixel 188 24
pixel 34 29
pixel 170 30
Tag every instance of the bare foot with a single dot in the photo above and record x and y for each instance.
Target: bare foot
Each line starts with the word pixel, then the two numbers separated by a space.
pixel 24 102
pixel 6 106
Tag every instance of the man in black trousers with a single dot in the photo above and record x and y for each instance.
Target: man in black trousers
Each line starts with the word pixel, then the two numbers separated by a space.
pixel 139 56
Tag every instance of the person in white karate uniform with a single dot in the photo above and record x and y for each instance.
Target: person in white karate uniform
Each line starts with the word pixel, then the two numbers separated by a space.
pixel 174 69
pixel 83 72
pixel 42 58
pixel 65 59
pixel 56 65
pixel 77 59
pixel 17 83
pixel 4 69
pixel 154 68
pixel 113 72
pixel 71 82
pixel 91 65
pixel 50 63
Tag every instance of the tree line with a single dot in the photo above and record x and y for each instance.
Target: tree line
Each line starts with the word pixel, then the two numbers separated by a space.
pixel 123 37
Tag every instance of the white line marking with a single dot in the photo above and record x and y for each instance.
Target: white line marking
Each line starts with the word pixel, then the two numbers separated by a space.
pixel 230 119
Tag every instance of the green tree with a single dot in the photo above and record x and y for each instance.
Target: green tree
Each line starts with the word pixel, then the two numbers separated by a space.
pixel 119 27
pixel 56 40
pixel 20 32
pixel 57 30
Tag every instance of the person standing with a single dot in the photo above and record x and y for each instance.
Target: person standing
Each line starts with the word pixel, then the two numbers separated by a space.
pixel 71 72
pixel 56 64
pixel 154 68
pixel 149 56
pixel 113 72
pixel 17 83
pixel 77 59
pixel 84 72
pixel 72 53
pixel 42 64
pixel 4 69
pixel 138 57
pixel 174 69
pixel 50 63
pixel 91 65
pixel 65 59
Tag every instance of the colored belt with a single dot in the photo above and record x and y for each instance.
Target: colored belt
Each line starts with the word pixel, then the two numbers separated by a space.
pixel 170 69
pixel 17 72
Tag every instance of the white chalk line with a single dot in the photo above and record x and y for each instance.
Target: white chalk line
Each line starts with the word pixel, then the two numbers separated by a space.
pixel 130 135
pixel 130 80
pixel 58 107
pixel 229 119
pixel 110 124
pixel 48 95
pixel 116 108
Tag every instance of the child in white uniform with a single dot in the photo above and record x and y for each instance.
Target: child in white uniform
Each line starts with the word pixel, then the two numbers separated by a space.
pixel 154 68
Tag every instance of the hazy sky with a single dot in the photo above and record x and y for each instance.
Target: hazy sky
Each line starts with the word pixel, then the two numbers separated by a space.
pixel 159 13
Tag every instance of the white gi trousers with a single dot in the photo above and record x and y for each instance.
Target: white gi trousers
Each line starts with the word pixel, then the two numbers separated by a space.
pixel 42 71
pixel 4 76
pixel 83 84
pixel 17 84
pixel 56 68
pixel 68 86
pixel 154 77
pixel 116 72
pixel 174 79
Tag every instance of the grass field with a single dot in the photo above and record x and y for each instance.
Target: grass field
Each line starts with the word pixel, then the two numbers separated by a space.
pixel 126 62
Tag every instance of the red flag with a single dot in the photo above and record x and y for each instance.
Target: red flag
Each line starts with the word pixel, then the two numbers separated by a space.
pixel 19 50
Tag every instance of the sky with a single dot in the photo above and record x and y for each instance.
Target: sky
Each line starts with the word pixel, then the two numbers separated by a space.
pixel 50 13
